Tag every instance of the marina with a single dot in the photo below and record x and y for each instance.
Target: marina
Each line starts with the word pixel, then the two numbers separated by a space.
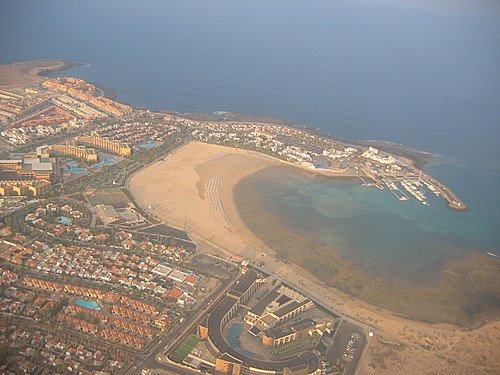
pixel 414 184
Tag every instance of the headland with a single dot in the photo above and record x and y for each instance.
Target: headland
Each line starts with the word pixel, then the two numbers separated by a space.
pixel 32 72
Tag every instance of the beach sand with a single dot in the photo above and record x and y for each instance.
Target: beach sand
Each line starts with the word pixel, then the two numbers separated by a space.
pixel 194 188
pixel 175 190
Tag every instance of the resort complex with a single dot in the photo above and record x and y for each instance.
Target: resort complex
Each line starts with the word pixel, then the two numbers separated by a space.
pixel 71 149
pixel 104 144
pixel 27 175
pixel 229 360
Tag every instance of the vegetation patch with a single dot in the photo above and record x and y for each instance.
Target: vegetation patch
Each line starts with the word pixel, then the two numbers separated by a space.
pixel 296 347
pixel 181 352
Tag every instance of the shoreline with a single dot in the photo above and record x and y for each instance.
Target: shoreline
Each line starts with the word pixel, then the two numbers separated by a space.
pixel 38 69
pixel 65 65
pixel 32 71
pixel 197 163
pixel 459 349
pixel 35 71
pixel 416 157
pixel 402 296
pixel 212 228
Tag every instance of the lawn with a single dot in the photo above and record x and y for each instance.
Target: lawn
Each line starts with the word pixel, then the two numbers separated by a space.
pixel 112 198
pixel 295 347
pixel 181 352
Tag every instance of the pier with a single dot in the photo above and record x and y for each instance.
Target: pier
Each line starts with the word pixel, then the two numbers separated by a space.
pixel 453 200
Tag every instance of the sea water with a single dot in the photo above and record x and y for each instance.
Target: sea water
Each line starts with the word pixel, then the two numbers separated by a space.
pixel 368 225
pixel 425 74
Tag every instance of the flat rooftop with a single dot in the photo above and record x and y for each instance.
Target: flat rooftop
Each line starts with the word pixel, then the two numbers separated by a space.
pixel 289 307
pixel 284 330
pixel 162 270
pixel 260 307
pixel 245 283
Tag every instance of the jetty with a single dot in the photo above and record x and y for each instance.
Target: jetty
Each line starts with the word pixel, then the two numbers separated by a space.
pixel 441 189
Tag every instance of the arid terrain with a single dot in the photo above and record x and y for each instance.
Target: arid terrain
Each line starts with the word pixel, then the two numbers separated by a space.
pixel 29 72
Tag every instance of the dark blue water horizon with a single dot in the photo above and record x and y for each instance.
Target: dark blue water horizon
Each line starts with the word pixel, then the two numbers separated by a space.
pixel 425 74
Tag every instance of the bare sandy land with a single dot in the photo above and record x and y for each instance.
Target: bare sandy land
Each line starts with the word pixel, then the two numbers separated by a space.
pixel 177 191
pixel 27 72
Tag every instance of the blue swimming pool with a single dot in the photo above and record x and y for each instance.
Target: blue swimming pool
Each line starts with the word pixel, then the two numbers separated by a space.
pixel 147 145
pixel 92 305
pixel 77 170
pixel 63 220
pixel 233 338
pixel 104 160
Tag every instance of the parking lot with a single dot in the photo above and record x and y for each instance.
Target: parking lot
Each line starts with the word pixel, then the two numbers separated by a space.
pixel 212 265
pixel 341 341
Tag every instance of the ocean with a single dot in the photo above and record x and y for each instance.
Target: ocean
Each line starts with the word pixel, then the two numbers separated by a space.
pixel 422 73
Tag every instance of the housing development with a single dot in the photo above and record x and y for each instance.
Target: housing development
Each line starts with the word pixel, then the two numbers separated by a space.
pixel 92 283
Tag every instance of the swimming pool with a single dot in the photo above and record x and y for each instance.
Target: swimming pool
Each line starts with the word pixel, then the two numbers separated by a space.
pixel 63 220
pixel 234 341
pixel 147 145
pixel 92 305
pixel 77 170
pixel 105 160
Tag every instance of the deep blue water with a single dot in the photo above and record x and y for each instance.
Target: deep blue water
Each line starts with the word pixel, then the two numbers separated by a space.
pixel 422 73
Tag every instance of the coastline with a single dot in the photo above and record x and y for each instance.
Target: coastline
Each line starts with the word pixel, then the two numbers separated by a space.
pixel 174 188
pixel 408 294
pixel 194 165
pixel 20 73
pixel 225 229
pixel 35 71
pixel 107 92
pixel 32 72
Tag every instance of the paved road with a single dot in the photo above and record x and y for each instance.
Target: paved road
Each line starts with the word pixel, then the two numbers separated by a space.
pixel 165 346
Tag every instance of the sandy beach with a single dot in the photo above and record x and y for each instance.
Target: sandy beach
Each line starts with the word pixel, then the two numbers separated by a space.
pixel 174 190
pixel 194 188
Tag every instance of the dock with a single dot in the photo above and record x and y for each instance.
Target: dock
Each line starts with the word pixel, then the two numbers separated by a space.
pixel 454 202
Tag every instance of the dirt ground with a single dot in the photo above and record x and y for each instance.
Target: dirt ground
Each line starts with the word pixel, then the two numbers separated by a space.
pixel 27 72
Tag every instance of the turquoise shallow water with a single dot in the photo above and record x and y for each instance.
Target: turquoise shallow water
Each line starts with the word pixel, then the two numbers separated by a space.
pixel 371 226
pixel 77 170
pixel 104 160
pixel 63 220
